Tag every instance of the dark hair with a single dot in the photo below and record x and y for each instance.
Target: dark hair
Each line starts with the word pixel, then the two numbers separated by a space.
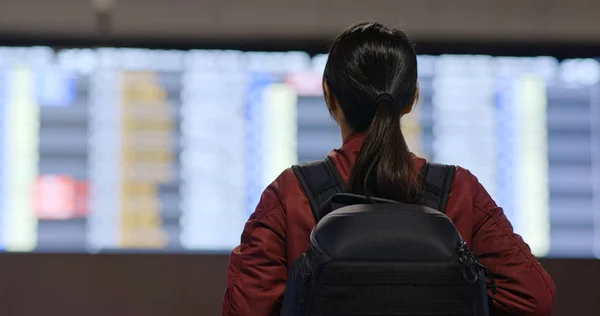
pixel 372 72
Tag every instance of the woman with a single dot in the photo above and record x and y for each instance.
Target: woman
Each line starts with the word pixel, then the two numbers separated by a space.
pixel 365 61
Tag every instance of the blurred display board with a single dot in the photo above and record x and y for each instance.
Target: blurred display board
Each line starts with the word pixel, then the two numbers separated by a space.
pixel 136 150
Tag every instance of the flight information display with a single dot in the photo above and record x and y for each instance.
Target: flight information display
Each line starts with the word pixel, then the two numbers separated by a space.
pixel 136 150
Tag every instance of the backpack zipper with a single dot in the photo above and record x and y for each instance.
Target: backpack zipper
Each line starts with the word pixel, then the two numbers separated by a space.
pixel 472 267
pixel 306 278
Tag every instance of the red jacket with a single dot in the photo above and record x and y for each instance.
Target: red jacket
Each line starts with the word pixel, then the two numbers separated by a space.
pixel 278 232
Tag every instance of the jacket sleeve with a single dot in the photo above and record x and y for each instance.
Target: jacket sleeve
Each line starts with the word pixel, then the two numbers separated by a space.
pixel 257 268
pixel 523 286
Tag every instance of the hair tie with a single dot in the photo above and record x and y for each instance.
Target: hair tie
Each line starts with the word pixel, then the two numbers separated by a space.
pixel 383 97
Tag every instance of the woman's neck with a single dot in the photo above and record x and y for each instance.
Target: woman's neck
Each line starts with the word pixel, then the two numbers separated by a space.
pixel 346 131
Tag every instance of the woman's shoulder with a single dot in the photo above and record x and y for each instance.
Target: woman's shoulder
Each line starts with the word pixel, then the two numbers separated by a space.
pixel 467 184
pixel 286 184
pixel 464 182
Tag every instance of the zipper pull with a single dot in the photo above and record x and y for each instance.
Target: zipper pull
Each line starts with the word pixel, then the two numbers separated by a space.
pixel 487 273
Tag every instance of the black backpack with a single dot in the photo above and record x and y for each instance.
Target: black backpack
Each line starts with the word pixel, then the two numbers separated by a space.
pixel 370 256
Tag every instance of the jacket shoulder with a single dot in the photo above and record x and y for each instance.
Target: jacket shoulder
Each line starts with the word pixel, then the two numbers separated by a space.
pixel 283 180
pixel 285 184
pixel 465 182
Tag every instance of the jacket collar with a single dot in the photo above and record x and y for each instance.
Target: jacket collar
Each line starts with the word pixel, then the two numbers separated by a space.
pixel 354 141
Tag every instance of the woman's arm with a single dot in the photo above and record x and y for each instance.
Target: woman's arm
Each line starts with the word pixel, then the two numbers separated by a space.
pixel 523 286
pixel 257 268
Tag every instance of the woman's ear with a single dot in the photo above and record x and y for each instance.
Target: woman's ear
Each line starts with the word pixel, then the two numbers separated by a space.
pixel 412 104
pixel 332 104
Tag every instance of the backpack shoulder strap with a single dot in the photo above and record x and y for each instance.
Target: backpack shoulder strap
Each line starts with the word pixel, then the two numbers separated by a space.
pixel 320 180
pixel 438 180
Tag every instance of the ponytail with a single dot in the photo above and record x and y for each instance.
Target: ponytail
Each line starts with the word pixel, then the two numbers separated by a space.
pixel 385 167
